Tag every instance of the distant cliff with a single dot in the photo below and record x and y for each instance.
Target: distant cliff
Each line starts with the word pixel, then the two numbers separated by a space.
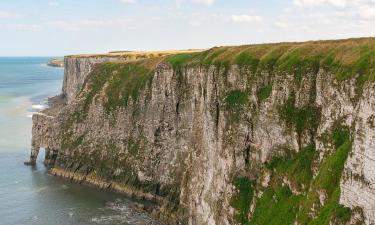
pixel 56 63
pixel 259 134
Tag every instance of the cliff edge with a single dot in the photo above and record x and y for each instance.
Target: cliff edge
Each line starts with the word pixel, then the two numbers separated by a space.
pixel 259 134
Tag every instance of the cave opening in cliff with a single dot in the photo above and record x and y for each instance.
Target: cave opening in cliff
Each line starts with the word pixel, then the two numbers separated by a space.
pixel 49 156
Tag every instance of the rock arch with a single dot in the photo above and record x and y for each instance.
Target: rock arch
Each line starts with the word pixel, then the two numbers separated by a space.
pixel 43 136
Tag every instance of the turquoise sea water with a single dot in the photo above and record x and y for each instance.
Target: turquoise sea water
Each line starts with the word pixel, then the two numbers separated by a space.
pixel 28 195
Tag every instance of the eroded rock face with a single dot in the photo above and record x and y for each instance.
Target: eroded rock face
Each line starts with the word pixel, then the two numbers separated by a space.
pixel 181 144
pixel 76 70
pixel 358 181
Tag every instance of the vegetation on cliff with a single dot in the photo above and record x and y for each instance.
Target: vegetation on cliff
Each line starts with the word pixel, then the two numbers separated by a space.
pixel 302 187
pixel 318 200
pixel 345 58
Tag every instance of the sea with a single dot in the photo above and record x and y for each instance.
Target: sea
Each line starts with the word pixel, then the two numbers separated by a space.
pixel 29 195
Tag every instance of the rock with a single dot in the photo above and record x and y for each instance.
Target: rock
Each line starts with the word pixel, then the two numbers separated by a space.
pixel 56 63
pixel 179 134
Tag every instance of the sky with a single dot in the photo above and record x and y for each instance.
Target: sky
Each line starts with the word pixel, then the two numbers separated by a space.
pixel 62 27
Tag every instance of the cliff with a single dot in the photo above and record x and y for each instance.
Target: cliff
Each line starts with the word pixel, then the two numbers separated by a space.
pixel 56 63
pixel 259 134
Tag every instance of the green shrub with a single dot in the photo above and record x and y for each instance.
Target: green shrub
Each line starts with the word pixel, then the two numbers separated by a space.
pixel 236 98
pixel 234 101
pixel 306 118
pixel 296 166
pixel 241 201
pixel 127 80
pixel 276 207
pixel 327 180
pixel 264 92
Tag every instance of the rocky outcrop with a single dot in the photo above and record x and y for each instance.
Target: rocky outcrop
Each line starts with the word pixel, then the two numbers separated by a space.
pixel 56 63
pixel 76 70
pixel 358 183
pixel 232 135
pixel 77 67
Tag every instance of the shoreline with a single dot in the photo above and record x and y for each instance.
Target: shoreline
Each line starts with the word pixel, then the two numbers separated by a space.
pixel 155 209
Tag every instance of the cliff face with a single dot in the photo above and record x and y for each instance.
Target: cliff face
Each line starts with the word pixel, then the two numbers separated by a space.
pixel 76 70
pixel 265 134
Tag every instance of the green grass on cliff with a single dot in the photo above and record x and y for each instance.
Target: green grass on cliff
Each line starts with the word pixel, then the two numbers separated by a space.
pixel 278 205
pixel 236 98
pixel 235 101
pixel 264 92
pixel 328 182
pixel 241 201
pixel 344 58
pixel 118 82
pixel 295 166
pixel 304 118
pixel 127 81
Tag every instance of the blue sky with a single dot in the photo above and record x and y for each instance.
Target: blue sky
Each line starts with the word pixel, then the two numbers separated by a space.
pixel 61 27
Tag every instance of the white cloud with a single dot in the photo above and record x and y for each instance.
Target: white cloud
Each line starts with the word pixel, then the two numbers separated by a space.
pixel 367 13
pixel 21 27
pixel 88 24
pixel 128 1
pixel 246 18
pixel 281 24
pixel 336 3
pixel 205 2
pixel 354 10
pixel 9 15
pixel 53 3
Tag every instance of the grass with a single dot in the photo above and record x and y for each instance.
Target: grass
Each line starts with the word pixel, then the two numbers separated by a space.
pixel 235 101
pixel 241 201
pixel 119 82
pixel 246 59
pixel 236 98
pixel 344 58
pixel 264 92
pixel 296 166
pixel 278 205
pixel 275 207
pixel 95 83
pixel 328 180
pixel 306 118
pixel 126 82
pixel 179 59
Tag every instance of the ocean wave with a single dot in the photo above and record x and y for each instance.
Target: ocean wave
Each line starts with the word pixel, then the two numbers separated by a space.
pixel 38 107
pixel 124 213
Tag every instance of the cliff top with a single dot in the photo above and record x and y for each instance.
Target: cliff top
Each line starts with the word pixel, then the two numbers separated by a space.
pixel 346 58
pixel 343 58
pixel 136 54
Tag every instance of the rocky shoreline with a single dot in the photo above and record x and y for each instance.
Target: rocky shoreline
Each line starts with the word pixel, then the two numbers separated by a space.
pixel 155 207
